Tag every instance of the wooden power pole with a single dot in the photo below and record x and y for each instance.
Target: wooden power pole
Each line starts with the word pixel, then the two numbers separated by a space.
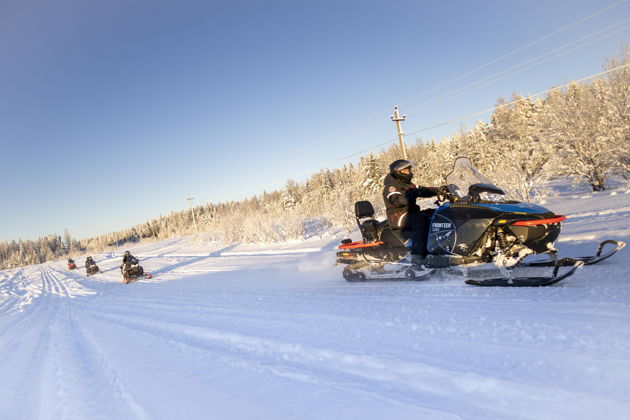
pixel 190 199
pixel 401 136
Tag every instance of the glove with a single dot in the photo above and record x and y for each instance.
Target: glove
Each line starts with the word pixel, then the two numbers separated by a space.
pixel 444 194
pixel 443 190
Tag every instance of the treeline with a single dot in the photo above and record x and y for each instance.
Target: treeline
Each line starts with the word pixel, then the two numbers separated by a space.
pixel 580 131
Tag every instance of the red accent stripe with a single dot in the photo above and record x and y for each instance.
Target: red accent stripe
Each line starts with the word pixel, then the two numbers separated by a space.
pixel 557 219
pixel 359 244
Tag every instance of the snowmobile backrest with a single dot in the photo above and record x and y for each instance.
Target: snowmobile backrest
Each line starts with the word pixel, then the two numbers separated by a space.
pixel 363 209
pixel 369 226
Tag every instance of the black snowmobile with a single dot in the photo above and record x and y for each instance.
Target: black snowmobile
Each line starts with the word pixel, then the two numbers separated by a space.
pixel 475 224
pixel 91 268
pixel 131 270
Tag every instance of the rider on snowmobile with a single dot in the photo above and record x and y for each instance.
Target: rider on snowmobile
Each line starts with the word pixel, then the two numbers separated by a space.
pixel 128 259
pixel 90 266
pixel 131 268
pixel 403 213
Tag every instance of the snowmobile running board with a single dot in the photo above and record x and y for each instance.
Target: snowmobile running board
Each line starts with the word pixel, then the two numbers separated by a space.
pixel 532 281
pixel 594 259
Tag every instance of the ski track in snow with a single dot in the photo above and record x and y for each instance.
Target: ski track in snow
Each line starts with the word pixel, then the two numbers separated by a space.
pixel 63 364
pixel 250 332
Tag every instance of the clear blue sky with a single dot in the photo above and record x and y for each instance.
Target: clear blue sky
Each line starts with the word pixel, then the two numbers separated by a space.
pixel 111 112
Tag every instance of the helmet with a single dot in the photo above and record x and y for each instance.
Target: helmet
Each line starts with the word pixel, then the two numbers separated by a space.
pixel 127 253
pixel 398 165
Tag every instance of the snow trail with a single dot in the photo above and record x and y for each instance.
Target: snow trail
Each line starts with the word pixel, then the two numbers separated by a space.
pixel 250 332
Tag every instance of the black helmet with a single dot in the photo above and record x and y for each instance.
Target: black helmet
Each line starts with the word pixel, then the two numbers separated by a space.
pixel 127 253
pixel 398 165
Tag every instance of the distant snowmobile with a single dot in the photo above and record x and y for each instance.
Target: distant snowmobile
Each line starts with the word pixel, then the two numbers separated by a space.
pixel 71 264
pixel 475 224
pixel 90 267
pixel 131 269
pixel 132 272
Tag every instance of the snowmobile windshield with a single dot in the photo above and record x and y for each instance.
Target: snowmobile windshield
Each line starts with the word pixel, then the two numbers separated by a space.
pixel 468 184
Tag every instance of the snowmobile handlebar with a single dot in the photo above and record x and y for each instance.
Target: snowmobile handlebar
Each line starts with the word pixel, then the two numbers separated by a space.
pixel 444 194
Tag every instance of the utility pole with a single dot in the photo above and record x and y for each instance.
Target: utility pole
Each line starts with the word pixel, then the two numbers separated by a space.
pixel 401 136
pixel 190 199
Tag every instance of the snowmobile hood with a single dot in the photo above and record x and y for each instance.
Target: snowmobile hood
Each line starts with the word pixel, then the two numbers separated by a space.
pixel 527 208
pixel 516 208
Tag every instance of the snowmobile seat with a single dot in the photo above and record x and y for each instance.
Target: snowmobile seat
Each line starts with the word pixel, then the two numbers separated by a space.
pixel 393 237
pixel 370 227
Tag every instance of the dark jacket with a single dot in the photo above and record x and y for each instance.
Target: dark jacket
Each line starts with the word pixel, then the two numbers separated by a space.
pixel 89 261
pixel 400 198
pixel 130 259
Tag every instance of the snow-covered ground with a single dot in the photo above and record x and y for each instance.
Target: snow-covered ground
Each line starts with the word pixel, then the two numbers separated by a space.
pixel 274 332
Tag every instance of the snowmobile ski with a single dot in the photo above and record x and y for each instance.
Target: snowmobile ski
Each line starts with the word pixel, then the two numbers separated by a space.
pixel 594 259
pixel 536 281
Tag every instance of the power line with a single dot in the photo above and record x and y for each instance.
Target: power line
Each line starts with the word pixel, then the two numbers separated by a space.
pixel 446 97
pixel 494 77
pixel 366 150
pixel 485 111
pixel 498 59
pixel 511 53
pixel 471 87
pixel 436 126
pixel 518 100
pixel 489 80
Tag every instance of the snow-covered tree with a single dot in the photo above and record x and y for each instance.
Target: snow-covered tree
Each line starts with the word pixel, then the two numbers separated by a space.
pixel 616 97
pixel 521 152
pixel 288 200
pixel 574 121
pixel 372 175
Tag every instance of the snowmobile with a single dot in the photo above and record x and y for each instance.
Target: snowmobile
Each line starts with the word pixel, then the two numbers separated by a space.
pixel 91 269
pixel 475 224
pixel 71 264
pixel 132 272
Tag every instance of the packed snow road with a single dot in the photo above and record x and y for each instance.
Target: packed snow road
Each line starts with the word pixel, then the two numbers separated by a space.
pixel 245 332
